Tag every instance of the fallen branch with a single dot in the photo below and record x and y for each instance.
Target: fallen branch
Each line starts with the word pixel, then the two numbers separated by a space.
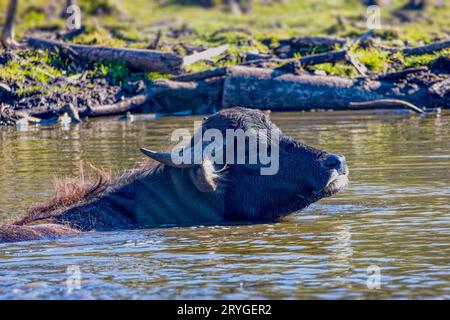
pixel 386 103
pixel 142 59
pixel 331 57
pixel 204 55
pixel 358 65
pixel 300 42
pixel 429 48
pixel 400 74
pixel 118 108
pixel 210 73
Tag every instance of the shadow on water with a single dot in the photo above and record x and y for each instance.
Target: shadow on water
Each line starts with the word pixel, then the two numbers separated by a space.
pixel 395 215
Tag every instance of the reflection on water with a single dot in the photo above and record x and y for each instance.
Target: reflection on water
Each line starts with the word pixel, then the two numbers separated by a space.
pixel 395 215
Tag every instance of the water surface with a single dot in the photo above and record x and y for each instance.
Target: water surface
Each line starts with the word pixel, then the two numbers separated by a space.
pixel 394 218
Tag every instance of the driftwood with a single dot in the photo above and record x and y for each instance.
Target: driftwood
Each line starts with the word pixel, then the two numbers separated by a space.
pixel 269 89
pixel 142 59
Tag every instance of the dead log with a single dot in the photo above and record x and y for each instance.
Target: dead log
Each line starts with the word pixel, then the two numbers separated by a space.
pixel 141 59
pixel 270 89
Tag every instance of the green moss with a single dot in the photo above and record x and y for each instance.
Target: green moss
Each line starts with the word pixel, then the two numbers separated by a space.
pixel 35 65
pixel 198 66
pixel 98 36
pixel 157 75
pixel 39 89
pixel 421 60
pixel 337 69
pixel 374 59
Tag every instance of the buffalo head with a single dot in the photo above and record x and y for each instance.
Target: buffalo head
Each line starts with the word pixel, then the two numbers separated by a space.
pixel 304 174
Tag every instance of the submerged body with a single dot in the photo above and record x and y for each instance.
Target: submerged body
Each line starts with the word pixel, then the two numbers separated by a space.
pixel 166 194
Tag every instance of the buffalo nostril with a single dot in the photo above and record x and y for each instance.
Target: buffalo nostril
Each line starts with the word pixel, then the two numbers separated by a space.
pixel 334 161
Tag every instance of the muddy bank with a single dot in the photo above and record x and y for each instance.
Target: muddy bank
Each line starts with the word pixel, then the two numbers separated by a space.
pixel 43 84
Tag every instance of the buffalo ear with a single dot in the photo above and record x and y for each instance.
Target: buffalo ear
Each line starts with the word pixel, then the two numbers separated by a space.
pixel 204 178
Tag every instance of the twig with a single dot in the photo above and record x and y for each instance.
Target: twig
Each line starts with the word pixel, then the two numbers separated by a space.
pixel 155 43
pixel 386 103
pixel 358 65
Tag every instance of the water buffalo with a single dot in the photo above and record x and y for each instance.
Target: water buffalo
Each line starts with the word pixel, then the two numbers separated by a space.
pixel 166 194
